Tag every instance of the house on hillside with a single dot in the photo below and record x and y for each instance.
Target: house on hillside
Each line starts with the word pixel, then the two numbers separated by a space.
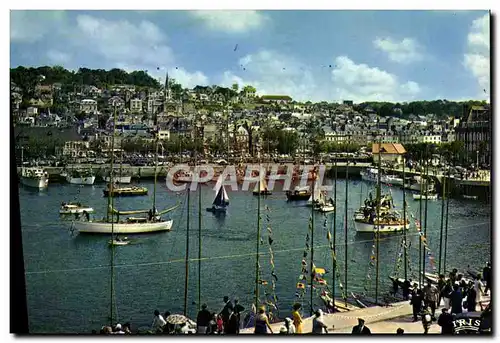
pixel 389 152
pixel 116 101
pixel 276 99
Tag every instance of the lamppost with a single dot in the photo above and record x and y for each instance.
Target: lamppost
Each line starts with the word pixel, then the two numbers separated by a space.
pixel 477 159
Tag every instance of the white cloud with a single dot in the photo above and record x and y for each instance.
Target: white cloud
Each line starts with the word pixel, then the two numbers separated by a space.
pixel 130 46
pixel 274 73
pixel 360 82
pixel 477 57
pixel 404 51
pixel 31 26
pixel 58 57
pixel 232 21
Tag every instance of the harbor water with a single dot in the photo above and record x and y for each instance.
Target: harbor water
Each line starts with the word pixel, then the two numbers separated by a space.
pixel 68 275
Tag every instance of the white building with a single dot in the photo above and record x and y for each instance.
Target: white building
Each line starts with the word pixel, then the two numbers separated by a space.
pixel 136 105
pixel 88 106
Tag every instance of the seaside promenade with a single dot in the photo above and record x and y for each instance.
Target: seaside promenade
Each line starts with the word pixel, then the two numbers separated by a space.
pixel 378 319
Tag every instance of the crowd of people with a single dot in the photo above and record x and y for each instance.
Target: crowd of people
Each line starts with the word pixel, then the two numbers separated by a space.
pixel 454 293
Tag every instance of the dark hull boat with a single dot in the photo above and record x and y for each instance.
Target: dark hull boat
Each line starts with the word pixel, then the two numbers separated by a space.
pixel 298 194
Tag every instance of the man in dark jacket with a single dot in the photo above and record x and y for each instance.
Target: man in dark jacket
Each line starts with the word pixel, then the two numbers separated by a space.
pixel 440 286
pixel 228 306
pixel 406 289
pixel 416 302
pixel 445 321
pixel 471 298
pixel 361 329
pixel 233 326
pixel 203 319
pixel 487 277
pixel 456 299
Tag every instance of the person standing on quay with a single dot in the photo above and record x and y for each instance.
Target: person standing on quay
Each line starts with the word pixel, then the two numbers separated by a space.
pixel 297 319
pixel 203 319
pixel 456 299
pixel 262 322
pixel 440 286
pixel 228 305
pixel 319 326
pixel 426 320
pixel 416 302
pixel 446 322
pixel 431 295
pixel 478 287
pixel 446 293
pixel 360 329
pixel 471 298
pixel 487 277
pixel 158 322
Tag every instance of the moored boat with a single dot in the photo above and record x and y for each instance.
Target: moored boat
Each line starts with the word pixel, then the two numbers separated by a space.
pixel 323 204
pixel 125 191
pixel 425 196
pixel 298 193
pixel 371 174
pixel 388 220
pixel 80 177
pixel 34 177
pixel 123 179
pixel 73 208
pixel 262 190
pixel 417 183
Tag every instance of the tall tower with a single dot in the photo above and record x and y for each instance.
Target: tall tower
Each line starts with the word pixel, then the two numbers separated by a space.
pixel 167 88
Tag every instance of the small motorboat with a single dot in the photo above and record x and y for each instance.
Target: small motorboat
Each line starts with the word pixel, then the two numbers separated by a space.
pixel 119 241
pixel 299 193
pixel 125 191
pixel 74 208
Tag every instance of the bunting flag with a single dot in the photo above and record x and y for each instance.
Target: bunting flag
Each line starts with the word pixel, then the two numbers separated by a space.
pixel 334 258
pixel 271 298
pixel 425 244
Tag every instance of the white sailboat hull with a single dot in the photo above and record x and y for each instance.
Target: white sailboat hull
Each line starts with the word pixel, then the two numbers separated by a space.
pixel 121 228
pixel 325 208
pixel 89 180
pixel 36 182
pixel 365 227
pixel 386 179
pixel 119 179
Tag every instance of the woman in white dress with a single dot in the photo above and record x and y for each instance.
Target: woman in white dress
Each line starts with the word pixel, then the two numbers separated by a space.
pixel 479 288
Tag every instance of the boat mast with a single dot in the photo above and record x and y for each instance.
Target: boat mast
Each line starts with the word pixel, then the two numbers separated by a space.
pixel 443 196
pixel 109 209
pixel 420 228
pixel 187 255
pixel 345 227
pixel 258 241
pixel 377 231
pixel 156 163
pixel 446 224
pixel 334 260
pixel 405 252
pixel 312 243
pixel 426 201
pixel 199 248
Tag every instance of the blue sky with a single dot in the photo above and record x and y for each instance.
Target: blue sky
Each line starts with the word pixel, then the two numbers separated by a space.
pixel 309 55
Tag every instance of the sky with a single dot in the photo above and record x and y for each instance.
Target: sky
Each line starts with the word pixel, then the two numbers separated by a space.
pixel 309 55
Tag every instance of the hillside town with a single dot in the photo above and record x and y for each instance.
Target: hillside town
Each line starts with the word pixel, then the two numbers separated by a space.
pixel 74 122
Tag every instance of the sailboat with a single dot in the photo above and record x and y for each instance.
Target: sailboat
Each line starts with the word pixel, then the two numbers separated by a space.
pixel 221 201
pixel 317 192
pixel 153 222
pixel 262 185
pixel 323 204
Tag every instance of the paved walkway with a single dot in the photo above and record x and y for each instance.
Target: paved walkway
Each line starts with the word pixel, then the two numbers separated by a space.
pixel 379 319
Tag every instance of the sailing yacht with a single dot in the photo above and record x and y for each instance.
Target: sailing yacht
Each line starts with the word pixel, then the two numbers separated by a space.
pixel 389 220
pixel 323 204
pixel 221 201
pixel 152 222
pixel 263 187
pixel 317 192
